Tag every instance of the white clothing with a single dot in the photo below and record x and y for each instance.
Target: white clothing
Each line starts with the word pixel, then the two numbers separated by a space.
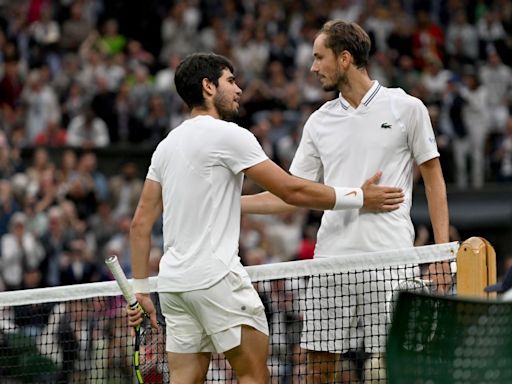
pixel 78 133
pixel 199 166
pixel 18 255
pixel 210 320
pixel 476 122
pixel 344 146
pixel 334 303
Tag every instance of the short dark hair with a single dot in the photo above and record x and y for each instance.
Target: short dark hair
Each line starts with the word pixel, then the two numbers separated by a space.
pixel 342 36
pixel 191 72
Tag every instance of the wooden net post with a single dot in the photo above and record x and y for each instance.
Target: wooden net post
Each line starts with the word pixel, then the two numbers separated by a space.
pixel 476 268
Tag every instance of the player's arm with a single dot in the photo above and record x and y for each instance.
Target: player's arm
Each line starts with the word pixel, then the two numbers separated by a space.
pixel 148 210
pixel 375 198
pixel 294 191
pixel 435 190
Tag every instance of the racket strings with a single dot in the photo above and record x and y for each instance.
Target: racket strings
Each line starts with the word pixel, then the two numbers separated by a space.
pixel 152 355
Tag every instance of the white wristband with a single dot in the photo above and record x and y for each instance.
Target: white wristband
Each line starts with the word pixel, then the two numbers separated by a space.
pixel 141 285
pixel 348 198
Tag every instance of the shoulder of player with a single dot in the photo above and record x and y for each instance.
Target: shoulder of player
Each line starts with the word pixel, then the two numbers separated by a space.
pixel 325 109
pixel 402 99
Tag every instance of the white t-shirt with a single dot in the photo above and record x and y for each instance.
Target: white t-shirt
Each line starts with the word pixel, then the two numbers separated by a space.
pixel 199 166
pixel 344 146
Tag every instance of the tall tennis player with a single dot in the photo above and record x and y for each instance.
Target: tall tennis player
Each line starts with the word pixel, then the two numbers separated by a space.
pixel 366 127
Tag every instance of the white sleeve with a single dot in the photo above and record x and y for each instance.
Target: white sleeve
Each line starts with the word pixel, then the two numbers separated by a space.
pixel 421 138
pixel 153 173
pixel 307 163
pixel 240 150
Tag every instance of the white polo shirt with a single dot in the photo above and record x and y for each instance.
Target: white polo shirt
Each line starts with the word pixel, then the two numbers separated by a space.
pixel 199 166
pixel 344 146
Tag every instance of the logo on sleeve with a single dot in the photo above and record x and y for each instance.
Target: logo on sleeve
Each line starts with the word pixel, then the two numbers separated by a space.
pixel 385 125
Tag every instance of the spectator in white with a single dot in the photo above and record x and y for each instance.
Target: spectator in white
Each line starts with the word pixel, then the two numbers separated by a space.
pixel 42 105
pixel 164 78
pixel 88 131
pixel 434 78
pixel 476 121
pixel 179 31
pixel 503 155
pixel 461 39
pixel 492 36
pixel 380 24
pixel 46 34
pixel 496 77
pixel 20 251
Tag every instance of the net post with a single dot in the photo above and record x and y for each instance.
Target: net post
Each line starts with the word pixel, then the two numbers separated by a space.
pixel 476 268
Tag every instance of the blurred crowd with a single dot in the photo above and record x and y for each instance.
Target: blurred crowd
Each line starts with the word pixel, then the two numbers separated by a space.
pixel 79 75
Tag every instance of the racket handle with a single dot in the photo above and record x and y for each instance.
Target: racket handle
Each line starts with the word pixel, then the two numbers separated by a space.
pixel 113 265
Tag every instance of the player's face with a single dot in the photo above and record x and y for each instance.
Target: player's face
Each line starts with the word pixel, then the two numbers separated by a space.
pixel 227 98
pixel 326 66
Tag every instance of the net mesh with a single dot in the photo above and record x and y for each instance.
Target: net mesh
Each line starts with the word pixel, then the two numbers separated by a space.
pixel 342 305
pixel 447 340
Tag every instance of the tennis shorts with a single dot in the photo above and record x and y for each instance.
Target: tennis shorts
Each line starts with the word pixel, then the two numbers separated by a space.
pixel 343 312
pixel 211 319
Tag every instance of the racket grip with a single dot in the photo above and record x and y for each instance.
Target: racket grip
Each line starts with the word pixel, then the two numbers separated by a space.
pixel 113 265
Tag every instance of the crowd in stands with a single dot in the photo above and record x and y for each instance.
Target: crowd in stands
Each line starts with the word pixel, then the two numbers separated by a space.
pixel 79 75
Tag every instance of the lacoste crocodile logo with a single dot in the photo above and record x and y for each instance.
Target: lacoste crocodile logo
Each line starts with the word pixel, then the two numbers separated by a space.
pixel 351 193
pixel 385 125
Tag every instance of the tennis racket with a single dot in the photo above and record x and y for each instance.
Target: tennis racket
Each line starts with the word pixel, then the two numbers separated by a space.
pixel 149 356
pixel 422 324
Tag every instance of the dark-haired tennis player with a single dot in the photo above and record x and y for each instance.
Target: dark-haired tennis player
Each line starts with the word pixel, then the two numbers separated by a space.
pixel 195 177
pixel 367 127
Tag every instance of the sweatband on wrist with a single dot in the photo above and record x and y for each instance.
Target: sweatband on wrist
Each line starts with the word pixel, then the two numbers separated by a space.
pixel 141 285
pixel 348 198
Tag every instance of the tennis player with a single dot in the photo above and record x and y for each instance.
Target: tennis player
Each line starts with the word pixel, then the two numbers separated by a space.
pixel 367 127
pixel 195 177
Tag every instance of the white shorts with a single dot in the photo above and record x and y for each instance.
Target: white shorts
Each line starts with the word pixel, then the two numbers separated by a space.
pixel 345 311
pixel 210 320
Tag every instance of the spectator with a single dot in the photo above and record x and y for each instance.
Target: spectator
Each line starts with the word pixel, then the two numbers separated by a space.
pixel 78 265
pixel 74 102
pixel 179 31
pixel 503 155
pixel 45 34
pixel 54 241
pixel 53 136
pixel 11 86
pixel 88 167
pixel 20 252
pixel 88 131
pixel 476 121
pixel 8 205
pixel 41 103
pixel 461 41
pixel 75 29
pixel 157 122
pixel 111 42
pixel 497 79
pixel 427 40
pixel 125 190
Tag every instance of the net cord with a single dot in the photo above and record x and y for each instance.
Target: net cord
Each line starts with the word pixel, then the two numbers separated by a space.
pixel 275 271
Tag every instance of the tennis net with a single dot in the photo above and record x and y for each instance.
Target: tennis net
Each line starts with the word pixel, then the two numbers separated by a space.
pixel 342 305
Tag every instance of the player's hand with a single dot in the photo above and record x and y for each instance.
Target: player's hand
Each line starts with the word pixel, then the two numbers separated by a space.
pixel 380 198
pixel 440 275
pixel 136 316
